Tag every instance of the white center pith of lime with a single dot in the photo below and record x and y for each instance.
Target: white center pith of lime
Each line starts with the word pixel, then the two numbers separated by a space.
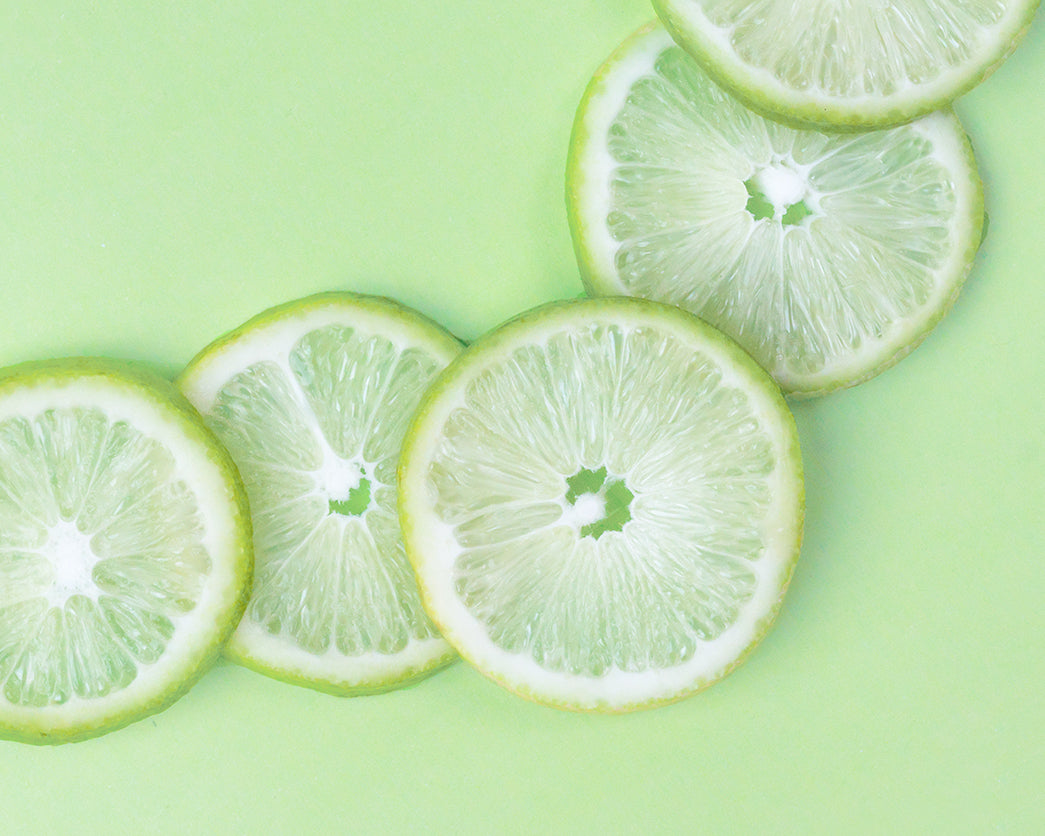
pixel 781 191
pixel 596 502
pixel 587 509
pixel 73 560
pixel 346 485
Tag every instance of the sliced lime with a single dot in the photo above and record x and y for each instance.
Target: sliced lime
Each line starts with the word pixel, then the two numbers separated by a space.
pixel 125 556
pixel 312 399
pixel 827 256
pixel 848 65
pixel 603 503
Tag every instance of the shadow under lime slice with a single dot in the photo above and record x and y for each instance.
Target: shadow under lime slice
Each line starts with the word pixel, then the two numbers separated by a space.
pixel 312 400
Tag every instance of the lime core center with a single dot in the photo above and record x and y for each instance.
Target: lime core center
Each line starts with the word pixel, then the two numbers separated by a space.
pixel 779 192
pixel 345 484
pixel 597 502
pixel 73 560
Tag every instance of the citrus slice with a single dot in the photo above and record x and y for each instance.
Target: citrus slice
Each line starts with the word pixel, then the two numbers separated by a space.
pixel 827 256
pixel 312 399
pixel 603 502
pixel 125 555
pixel 848 65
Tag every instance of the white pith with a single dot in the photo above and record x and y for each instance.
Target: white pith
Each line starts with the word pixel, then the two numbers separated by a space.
pixel 73 559
pixel 589 508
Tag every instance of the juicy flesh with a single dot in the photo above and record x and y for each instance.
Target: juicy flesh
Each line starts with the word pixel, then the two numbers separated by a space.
pixel 100 555
pixel 605 409
pixel 800 245
pixel 851 48
pixel 316 441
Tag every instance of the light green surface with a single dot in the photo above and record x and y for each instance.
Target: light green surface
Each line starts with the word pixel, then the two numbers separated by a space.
pixel 165 173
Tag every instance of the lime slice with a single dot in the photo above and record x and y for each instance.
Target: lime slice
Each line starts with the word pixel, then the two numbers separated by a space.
pixel 845 66
pixel 125 555
pixel 312 399
pixel 827 256
pixel 603 503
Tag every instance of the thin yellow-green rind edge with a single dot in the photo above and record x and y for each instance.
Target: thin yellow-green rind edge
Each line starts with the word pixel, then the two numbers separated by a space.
pixel 492 343
pixel 235 650
pixel 598 283
pixel 162 394
pixel 802 111
pixel 350 300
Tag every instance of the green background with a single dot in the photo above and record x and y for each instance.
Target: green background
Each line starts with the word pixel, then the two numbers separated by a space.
pixel 166 173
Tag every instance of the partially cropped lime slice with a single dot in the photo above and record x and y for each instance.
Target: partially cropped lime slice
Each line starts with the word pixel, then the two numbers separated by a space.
pixel 125 555
pixel 827 256
pixel 312 399
pixel 848 65
pixel 603 502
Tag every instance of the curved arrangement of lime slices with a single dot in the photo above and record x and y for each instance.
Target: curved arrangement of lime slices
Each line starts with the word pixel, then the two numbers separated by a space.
pixel 312 399
pixel 125 556
pixel 828 257
pixel 855 65
pixel 603 503
pixel 600 503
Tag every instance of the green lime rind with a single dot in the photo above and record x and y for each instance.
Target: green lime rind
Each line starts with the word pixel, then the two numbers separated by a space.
pixel 591 200
pixel 768 95
pixel 275 654
pixel 231 553
pixel 427 538
pixel 394 680
pixel 374 304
